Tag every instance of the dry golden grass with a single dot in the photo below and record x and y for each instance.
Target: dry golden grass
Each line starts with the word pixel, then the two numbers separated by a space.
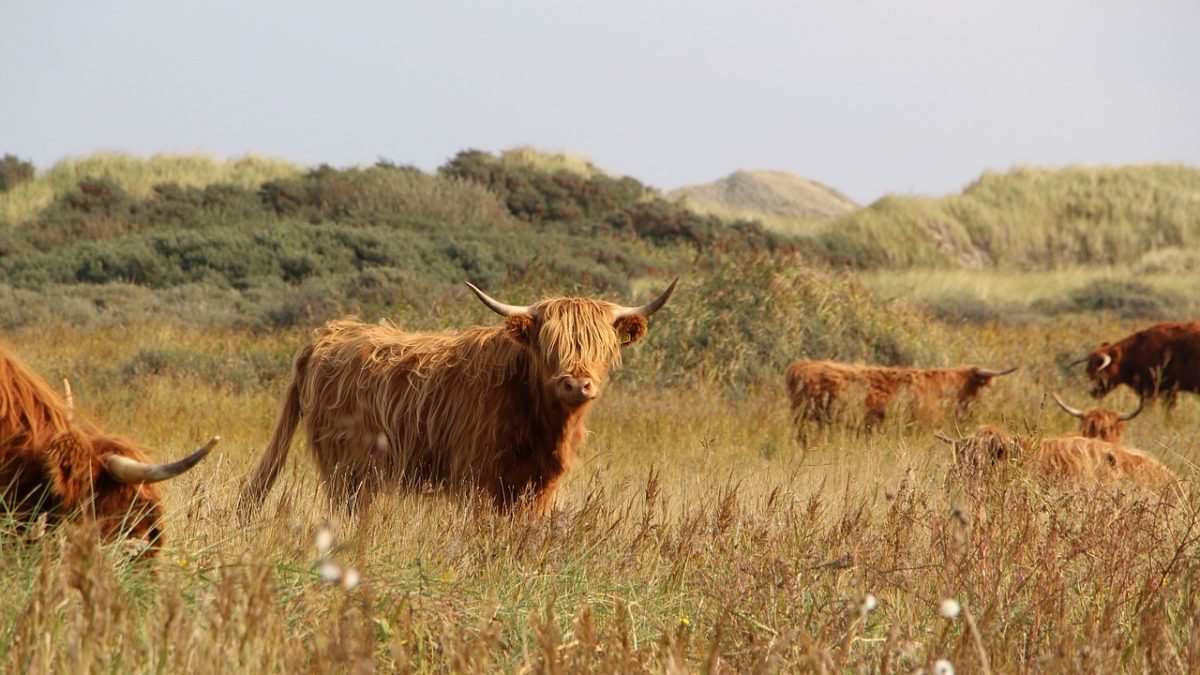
pixel 694 535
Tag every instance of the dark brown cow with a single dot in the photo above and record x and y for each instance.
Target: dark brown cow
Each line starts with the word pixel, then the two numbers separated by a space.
pixel 1107 425
pixel 1162 359
pixel 51 462
pixel 815 386
pixel 496 409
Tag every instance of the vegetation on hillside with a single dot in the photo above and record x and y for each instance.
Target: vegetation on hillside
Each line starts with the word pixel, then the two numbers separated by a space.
pixel 1028 219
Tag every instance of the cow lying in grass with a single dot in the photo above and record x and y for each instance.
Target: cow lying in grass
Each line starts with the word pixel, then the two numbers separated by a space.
pixel 1060 460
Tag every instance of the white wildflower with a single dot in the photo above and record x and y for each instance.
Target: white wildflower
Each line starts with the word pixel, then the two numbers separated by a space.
pixel 949 608
pixel 350 579
pixel 329 571
pixel 869 603
pixel 323 541
pixel 943 667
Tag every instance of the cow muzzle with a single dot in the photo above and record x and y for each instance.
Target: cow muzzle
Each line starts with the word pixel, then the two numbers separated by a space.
pixel 576 390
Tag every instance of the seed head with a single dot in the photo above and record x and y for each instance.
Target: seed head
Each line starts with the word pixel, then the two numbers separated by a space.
pixel 323 541
pixel 943 667
pixel 949 608
pixel 869 602
pixel 329 572
pixel 350 579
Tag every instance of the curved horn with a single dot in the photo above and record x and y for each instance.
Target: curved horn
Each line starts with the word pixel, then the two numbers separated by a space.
pixel 984 372
pixel 943 438
pixel 497 306
pixel 1130 415
pixel 1075 412
pixel 125 470
pixel 1079 361
pixel 70 397
pixel 1104 364
pixel 650 307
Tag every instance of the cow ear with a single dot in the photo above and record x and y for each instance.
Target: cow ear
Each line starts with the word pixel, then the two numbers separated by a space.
pixel 630 329
pixel 520 328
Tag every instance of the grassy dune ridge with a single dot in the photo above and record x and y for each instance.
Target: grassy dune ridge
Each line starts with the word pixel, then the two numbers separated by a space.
pixel 694 533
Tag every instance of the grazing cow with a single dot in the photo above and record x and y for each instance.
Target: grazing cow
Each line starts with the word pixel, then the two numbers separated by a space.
pixel 815 386
pixel 1164 358
pixel 1102 423
pixel 54 463
pixel 494 409
pixel 1063 459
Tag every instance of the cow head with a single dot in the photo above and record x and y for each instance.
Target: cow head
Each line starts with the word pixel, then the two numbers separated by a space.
pixel 977 378
pixel 1102 366
pixel 574 342
pixel 987 446
pixel 1101 423
pixel 107 478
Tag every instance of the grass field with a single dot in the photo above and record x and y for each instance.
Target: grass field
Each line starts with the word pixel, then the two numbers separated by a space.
pixel 694 534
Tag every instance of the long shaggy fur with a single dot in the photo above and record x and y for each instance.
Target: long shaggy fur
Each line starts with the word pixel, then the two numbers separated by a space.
pixel 469 411
pixel 815 387
pixel 1063 459
pixel 51 461
pixel 1162 359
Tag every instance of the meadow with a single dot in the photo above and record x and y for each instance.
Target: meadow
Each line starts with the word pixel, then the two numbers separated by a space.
pixel 695 533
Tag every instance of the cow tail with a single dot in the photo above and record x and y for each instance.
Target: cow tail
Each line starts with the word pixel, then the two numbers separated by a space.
pixel 273 459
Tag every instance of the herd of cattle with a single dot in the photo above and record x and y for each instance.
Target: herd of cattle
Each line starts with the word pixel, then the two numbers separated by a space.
pixel 500 410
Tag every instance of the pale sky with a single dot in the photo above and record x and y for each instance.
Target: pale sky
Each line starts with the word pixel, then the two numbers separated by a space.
pixel 869 97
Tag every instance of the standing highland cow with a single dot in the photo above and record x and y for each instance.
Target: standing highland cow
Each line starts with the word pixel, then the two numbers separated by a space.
pixel 1164 358
pixel 1107 425
pixel 53 463
pixel 816 386
pixel 497 409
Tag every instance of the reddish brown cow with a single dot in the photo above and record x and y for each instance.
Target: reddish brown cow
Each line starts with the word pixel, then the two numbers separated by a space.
pixel 54 463
pixel 1164 358
pixel 498 409
pixel 1102 423
pixel 815 386
pixel 1060 460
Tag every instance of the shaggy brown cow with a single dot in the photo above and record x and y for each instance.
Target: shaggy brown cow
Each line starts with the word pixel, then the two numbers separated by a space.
pixel 1102 423
pixel 496 409
pixel 815 386
pixel 1063 459
pixel 53 463
pixel 1164 358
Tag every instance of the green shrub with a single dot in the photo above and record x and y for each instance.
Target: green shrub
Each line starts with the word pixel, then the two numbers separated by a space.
pixel 14 171
pixel 1128 299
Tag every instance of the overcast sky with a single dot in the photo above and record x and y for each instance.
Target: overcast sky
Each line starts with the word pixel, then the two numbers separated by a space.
pixel 868 97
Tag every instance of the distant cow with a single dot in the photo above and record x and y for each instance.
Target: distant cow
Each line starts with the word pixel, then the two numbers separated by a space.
pixel 1102 423
pixel 496 409
pixel 1060 460
pixel 1164 358
pixel 815 386
pixel 51 462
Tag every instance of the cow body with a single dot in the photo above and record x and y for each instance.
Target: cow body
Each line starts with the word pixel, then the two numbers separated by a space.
pixel 1162 359
pixel 1063 460
pixel 55 464
pixel 816 386
pixel 495 410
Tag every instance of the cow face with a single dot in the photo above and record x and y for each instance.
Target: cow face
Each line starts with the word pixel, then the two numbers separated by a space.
pixel 1102 365
pixel 574 342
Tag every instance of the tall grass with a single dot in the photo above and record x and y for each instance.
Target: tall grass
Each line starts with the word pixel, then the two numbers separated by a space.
pixel 694 534
pixel 137 175
pixel 1028 219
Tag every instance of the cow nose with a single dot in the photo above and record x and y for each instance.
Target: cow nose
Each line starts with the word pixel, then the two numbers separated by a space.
pixel 577 388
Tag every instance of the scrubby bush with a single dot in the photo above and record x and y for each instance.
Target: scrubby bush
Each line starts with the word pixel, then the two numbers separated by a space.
pixel 14 171
pixel 742 319
pixel 1126 298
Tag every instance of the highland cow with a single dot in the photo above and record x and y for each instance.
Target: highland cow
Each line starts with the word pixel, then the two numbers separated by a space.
pixel 1061 460
pixel 1102 423
pixel 815 386
pixel 496 410
pixel 55 464
pixel 1162 359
